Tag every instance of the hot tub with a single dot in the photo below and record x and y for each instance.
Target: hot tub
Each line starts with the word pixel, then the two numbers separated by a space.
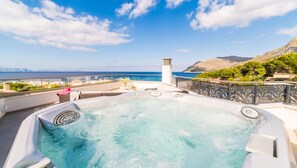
pixel 151 129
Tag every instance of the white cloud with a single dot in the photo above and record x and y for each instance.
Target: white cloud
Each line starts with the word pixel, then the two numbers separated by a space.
pixel 183 50
pixel 136 8
pixel 189 15
pixel 53 25
pixel 174 3
pixel 142 7
pixel 125 9
pixel 288 31
pixel 212 14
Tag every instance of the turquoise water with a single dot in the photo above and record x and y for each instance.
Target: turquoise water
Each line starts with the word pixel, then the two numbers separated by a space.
pixel 148 76
pixel 128 132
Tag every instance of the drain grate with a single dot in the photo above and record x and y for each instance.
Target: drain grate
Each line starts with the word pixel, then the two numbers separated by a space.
pixel 66 117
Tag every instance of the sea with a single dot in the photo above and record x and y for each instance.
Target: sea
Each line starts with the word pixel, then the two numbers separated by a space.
pixel 146 76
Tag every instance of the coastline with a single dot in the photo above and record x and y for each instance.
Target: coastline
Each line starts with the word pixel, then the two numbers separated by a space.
pixel 61 74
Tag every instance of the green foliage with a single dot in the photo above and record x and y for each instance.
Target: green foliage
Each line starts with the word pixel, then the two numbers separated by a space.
pixel 225 74
pixel 237 72
pixel 270 67
pixel 255 71
pixel 286 63
pixel 54 85
pixel 210 75
pixel 22 86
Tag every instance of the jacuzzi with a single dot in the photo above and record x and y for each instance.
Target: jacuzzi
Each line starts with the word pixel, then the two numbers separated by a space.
pixel 151 129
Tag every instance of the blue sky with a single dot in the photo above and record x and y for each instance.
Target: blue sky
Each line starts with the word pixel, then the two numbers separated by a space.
pixel 134 35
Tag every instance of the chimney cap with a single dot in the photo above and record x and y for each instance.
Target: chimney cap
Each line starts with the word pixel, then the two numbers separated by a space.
pixel 167 61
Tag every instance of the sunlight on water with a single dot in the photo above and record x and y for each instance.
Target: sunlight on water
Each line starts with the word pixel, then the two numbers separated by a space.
pixel 149 132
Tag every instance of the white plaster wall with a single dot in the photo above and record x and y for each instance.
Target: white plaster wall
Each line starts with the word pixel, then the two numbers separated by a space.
pixel 167 74
pixel 30 100
pixel 36 99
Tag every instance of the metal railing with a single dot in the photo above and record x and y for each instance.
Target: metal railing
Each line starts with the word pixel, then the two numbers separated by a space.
pixel 244 92
pixel 91 77
pixel 59 82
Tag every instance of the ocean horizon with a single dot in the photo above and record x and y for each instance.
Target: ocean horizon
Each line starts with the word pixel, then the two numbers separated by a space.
pixel 154 76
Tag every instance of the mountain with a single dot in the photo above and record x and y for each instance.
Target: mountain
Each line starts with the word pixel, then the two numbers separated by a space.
pixel 14 70
pixel 230 61
pixel 290 47
pixel 217 63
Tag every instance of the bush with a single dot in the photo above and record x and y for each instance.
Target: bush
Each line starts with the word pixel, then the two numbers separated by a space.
pixel 286 63
pixel 54 85
pixel 226 74
pixel 255 71
pixel 22 86
pixel 209 75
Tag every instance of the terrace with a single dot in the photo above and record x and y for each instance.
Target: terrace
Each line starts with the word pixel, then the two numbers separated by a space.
pixel 281 104
pixel 11 121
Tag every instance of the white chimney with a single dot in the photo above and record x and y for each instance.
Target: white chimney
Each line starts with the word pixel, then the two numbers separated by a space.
pixel 167 71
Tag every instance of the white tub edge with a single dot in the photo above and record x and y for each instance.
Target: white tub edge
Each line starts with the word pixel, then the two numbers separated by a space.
pixel 25 151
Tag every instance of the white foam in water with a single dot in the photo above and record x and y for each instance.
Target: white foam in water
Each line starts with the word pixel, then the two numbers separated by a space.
pixel 145 131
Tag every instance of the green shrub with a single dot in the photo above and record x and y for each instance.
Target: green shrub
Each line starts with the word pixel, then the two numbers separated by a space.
pixel 22 86
pixel 54 85
pixel 209 75
pixel 255 71
pixel 226 74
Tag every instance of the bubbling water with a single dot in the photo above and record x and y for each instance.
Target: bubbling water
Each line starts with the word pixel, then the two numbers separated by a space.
pixel 145 131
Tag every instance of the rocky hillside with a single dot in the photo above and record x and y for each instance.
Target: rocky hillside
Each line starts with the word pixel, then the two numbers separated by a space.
pixel 217 63
pixel 290 47
pixel 230 61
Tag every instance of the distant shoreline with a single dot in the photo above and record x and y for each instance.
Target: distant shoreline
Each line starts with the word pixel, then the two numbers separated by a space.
pixel 63 74
pixel 91 72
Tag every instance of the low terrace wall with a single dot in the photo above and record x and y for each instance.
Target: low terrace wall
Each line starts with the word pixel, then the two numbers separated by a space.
pixel 16 103
pixel 244 93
